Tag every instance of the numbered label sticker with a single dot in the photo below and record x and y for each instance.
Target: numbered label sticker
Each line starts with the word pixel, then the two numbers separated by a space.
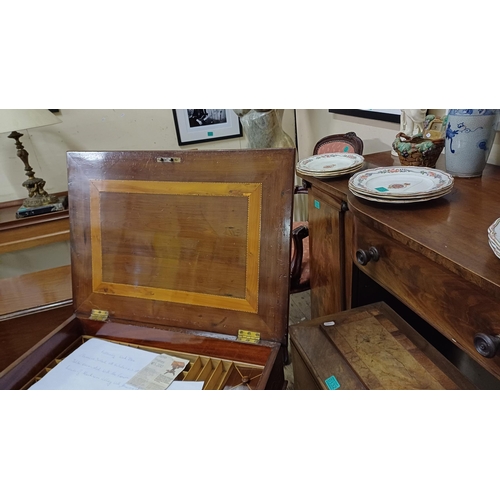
pixel 332 383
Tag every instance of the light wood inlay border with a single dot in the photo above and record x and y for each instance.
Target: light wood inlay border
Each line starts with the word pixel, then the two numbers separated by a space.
pixel 251 191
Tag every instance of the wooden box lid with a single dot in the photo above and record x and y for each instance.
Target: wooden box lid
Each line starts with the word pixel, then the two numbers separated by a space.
pixel 198 240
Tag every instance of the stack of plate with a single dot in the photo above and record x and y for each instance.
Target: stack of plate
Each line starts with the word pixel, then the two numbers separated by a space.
pixel 494 237
pixel 401 184
pixel 330 165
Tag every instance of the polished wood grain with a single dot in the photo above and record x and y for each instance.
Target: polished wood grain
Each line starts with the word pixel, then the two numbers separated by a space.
pixel 34 290
pixel 448 300
pixel 435 254
pixel 327 205
pixel 206 252
pixel 327 253
pixel 129 210
pixel 451 231
pixel 29 232
pixel 315 359
pixel 370 347
pixel 211 182
pixel 20 333
pixel 33 236
pixel 25 367
pixel 435 258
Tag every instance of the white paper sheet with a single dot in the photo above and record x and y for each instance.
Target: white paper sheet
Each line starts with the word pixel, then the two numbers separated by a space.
pixel 179 385
pixel 96 365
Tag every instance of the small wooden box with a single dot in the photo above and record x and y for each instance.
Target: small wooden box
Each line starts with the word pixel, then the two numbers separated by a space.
pixel 369 347
pixel 184 252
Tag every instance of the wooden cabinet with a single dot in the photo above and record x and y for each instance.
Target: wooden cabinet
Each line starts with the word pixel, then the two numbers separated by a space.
pixel 326 230
pixel 327 205
pixel 434 256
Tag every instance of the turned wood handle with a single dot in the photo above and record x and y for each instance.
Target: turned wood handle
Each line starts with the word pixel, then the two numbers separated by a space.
pixel 487 345
pixel 363 257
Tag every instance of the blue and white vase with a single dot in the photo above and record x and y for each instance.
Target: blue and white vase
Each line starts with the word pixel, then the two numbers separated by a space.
pixel 469 136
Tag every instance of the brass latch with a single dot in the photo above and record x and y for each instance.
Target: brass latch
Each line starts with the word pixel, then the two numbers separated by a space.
pixel 248 337
pixel 98 315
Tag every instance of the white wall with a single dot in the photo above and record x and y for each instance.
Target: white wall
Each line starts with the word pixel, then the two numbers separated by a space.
pixel 377 136
pixel 129 129
pixel 95 130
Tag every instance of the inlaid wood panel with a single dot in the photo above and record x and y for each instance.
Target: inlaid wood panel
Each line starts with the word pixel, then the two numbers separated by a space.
pixel 203 249
pixel 200 242
pixel 369 347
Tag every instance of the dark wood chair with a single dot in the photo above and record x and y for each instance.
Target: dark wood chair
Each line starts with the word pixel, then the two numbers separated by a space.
pixel 300 270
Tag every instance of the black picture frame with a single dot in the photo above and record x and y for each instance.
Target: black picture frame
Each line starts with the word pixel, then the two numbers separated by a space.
pixel 374 114
pixel 194 126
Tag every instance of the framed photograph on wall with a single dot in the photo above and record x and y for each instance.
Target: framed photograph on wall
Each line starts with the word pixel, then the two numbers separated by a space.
pixel 204 125
pixel 387 115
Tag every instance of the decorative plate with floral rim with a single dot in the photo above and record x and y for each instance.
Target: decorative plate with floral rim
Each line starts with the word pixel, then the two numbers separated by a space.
pixel 330 175
pixel 404 182
pixel 329 162
pixel 400 200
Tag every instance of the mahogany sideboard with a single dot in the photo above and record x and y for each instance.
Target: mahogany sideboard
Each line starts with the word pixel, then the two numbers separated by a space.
pixel 434 256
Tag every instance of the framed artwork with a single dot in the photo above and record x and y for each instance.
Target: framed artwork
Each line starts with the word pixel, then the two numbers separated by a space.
pixel 204 125
pixel 387 115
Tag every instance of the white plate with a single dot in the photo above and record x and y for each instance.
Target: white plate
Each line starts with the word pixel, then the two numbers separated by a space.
pixel 383 199
pixel 329 162
pixel 329 175
pixel 494 232
pixel 401 181
pixel 494 242
pixel 403 198
pixel 495 251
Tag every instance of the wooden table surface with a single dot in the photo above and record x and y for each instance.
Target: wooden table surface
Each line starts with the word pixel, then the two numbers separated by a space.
pixel 452 230
pixel 451 235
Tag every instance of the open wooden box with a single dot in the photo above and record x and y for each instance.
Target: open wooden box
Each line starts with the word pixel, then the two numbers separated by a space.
pixel 184 252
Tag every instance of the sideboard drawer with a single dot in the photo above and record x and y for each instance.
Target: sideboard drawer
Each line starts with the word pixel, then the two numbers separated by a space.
pixel 452 305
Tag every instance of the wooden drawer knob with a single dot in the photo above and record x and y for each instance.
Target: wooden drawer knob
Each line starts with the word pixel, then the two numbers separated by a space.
pixel 487 345
pixel 363 257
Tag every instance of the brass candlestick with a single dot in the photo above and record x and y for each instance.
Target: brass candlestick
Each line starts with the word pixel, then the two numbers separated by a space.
pixel 35 185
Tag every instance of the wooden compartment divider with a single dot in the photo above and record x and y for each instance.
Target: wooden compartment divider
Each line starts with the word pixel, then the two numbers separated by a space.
pixel 218 374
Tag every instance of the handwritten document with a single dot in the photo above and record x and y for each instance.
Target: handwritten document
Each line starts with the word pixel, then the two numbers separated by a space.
pixel 100 365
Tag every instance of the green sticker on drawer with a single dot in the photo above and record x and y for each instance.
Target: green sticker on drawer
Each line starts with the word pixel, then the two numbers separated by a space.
pixel 332 383
pixel 316 204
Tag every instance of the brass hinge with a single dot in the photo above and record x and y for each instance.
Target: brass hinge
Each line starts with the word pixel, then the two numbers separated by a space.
pixel 98 315
pixel 249 337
